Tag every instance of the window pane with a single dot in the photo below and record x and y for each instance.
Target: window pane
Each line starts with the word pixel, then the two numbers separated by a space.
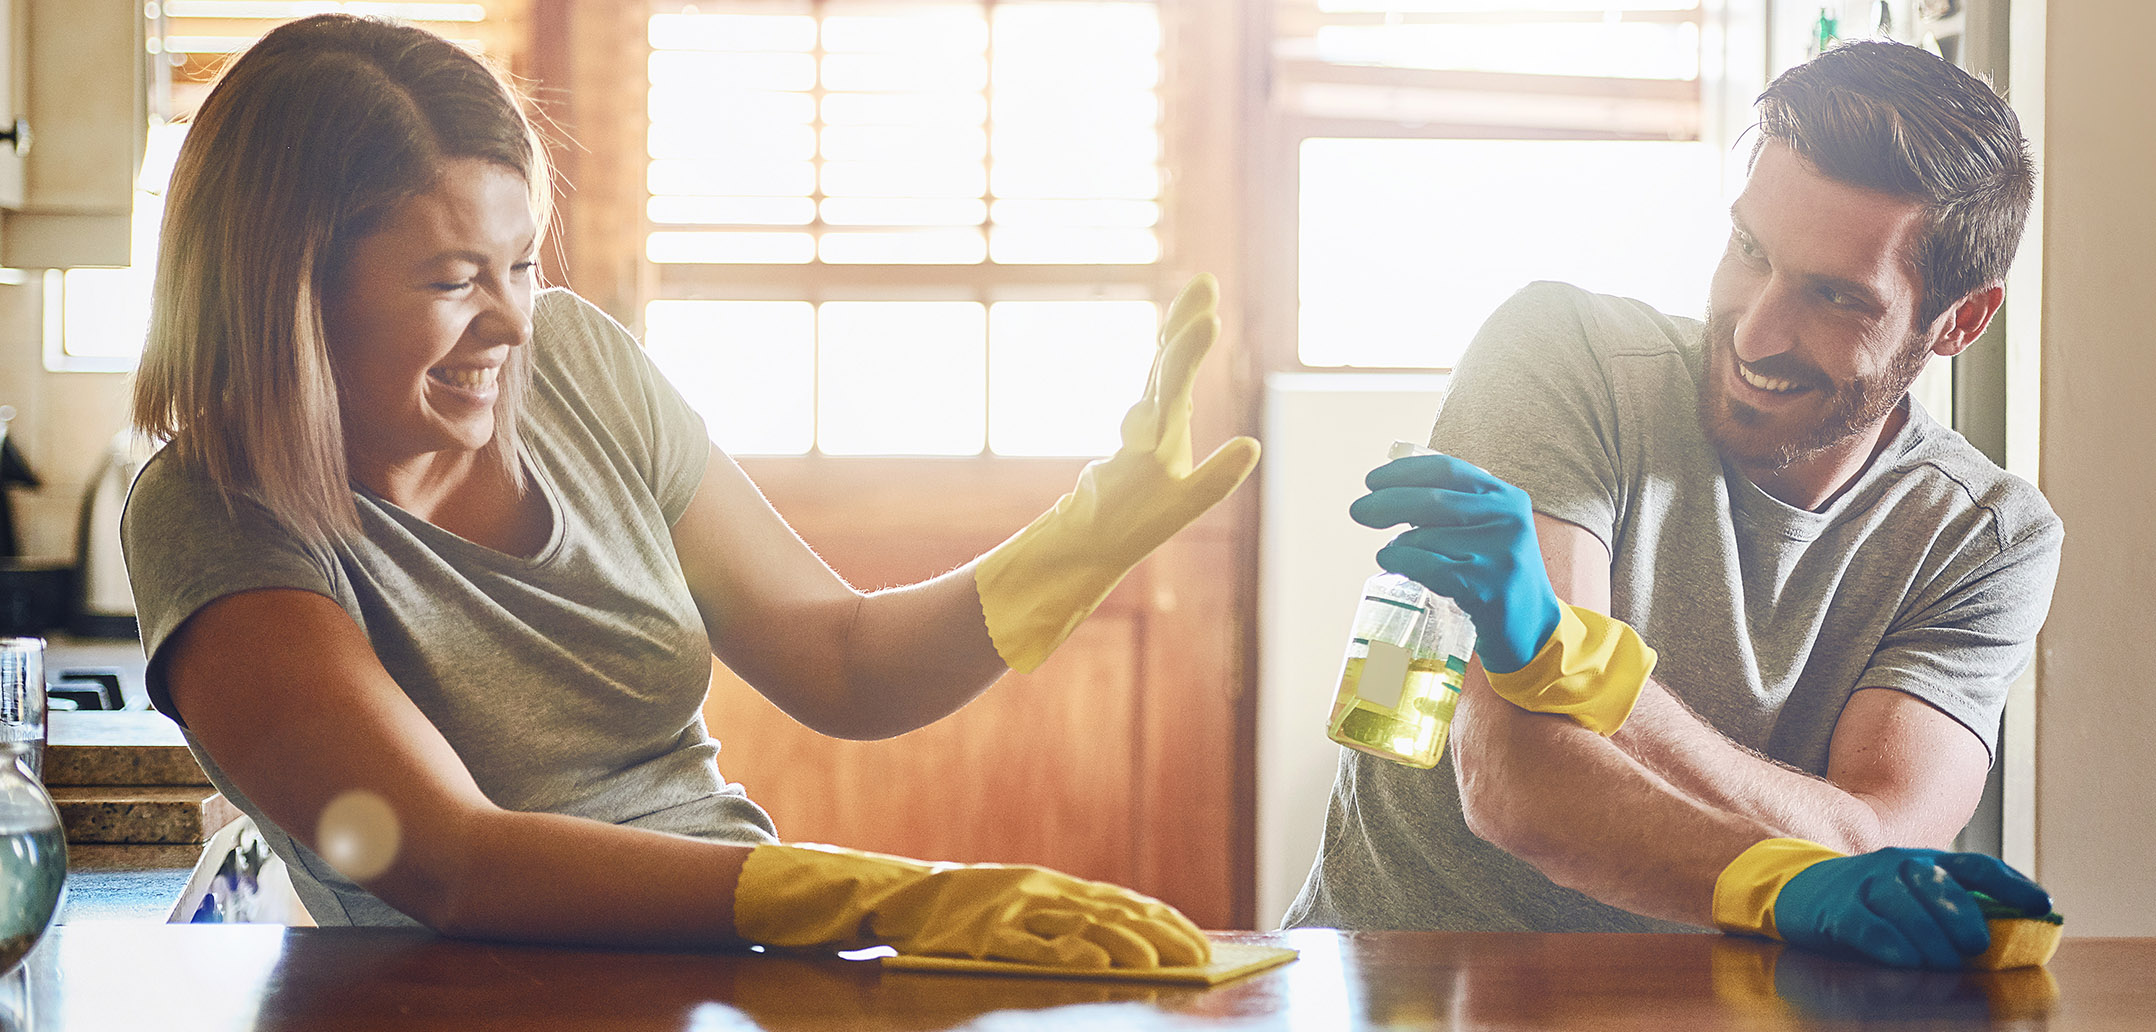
pixel 1102 231
pixel 901 378
pixel 737 211
pixel 904 143
pixel 891 179
pixel 905 139
pixel 730 247
pixel 908 72
pixel 1080 213
pixel 1396 7
pixel 1062 373
pixel 1113 45
pixel 749 367
pixel 904 211
pixel 1640 50
pixel 727 71
pixel 736 32
pixel 1013 246
pixel 921 247
pixel 729 140
pixel 926 110
pixel 765 178
pixel 888 26
pixel 1407 245
pixel 1054 142
pixel 692 111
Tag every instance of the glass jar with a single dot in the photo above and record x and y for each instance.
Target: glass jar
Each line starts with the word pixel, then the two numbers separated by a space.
pixel 1401 677
pixel 1406 656
pixel 33 849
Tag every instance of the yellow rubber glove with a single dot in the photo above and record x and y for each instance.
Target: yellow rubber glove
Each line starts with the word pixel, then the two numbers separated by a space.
pixel 809 895
pixel 1041 584
pixel 1591 669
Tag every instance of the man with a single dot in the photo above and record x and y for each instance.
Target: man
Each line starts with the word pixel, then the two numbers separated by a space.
pixel 1840 589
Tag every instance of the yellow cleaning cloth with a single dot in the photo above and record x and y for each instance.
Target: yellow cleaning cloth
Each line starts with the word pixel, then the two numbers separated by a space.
pixel 1230 960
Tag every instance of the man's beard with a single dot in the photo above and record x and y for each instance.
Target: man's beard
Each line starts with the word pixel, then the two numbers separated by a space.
pixel 1747 435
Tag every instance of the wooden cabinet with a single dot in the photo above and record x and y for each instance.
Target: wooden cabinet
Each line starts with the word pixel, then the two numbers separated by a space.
pixel 77 75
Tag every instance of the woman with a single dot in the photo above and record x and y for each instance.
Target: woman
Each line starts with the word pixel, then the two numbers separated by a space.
pixel 434 566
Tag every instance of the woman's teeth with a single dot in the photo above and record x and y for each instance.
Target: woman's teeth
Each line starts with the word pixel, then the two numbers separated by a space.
pixel 1765 383
pixel 468 379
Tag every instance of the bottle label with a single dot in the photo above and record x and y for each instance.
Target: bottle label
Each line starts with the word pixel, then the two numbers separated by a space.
pixel 1384 675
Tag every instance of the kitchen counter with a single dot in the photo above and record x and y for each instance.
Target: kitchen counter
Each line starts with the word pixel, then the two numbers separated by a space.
pixel 125 883
pixel 137 810
pixel 261 977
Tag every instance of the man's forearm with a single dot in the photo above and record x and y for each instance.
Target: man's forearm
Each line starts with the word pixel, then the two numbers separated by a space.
pixel 1589 816
pixel 1673 742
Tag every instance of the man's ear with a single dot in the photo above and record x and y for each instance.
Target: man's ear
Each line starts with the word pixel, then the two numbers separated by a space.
pixel 1960 326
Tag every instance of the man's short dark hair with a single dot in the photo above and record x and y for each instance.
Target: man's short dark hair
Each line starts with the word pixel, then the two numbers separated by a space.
pixel 1897 119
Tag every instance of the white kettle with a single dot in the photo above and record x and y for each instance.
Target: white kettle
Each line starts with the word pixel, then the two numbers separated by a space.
pixel 105 604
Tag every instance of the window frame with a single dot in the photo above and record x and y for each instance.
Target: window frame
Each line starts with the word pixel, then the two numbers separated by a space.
pixel 1183 93
pixel 1731 50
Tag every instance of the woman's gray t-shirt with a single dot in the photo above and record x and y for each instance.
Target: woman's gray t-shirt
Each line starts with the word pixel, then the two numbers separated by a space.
pixel 569 682
pixel 1930 575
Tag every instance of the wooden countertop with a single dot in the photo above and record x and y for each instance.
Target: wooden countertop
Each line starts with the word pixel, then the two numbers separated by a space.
pixel 264 977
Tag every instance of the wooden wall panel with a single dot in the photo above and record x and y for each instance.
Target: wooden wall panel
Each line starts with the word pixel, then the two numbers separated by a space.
pixel 1193 724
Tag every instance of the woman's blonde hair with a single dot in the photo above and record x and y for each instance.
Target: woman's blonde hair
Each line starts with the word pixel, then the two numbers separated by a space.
pixel 304 145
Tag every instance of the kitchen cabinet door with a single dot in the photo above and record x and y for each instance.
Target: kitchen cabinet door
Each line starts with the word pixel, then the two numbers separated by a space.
pixel 80 80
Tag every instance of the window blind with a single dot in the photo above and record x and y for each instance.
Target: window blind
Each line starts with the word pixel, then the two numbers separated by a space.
pixel 1559 68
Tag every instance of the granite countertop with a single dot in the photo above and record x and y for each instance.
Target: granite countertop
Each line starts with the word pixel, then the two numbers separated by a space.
pixel 125 883
pixel 137 809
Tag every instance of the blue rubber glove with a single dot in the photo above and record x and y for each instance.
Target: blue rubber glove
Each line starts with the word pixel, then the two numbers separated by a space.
pixel 1904 907
pixel 1473 541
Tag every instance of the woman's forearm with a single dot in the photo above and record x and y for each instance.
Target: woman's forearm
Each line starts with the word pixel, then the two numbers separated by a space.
pixel 917 654
pixel 549 878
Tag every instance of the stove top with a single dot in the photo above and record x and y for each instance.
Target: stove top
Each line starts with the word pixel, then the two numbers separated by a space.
pixel 94 673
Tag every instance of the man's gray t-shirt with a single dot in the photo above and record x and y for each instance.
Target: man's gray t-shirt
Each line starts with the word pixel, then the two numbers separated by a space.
pixel 569 682
pixel 1929 575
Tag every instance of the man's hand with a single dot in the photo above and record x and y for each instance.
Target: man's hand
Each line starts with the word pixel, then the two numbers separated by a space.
pixel 1473 541
pixel 1903 907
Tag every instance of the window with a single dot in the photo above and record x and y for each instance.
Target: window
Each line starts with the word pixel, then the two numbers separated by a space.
pixel 95 319
pixel 905 228
pixel 1443 153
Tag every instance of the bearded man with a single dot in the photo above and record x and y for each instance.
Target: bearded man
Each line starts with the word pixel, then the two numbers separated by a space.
pixel 1840 588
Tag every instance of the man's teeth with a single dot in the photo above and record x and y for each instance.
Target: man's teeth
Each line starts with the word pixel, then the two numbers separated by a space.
pixel 1765 383
pixel 469 379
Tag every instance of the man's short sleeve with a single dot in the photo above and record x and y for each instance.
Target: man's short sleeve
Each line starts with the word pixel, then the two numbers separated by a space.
pixel 1961 649
pixel 1531 401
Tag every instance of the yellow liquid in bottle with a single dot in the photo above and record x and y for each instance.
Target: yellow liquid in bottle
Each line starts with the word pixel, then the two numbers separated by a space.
pixel 1412 732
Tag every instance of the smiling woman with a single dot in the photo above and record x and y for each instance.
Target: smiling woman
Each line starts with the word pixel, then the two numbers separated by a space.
pixel 444 551
pixel 423 317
